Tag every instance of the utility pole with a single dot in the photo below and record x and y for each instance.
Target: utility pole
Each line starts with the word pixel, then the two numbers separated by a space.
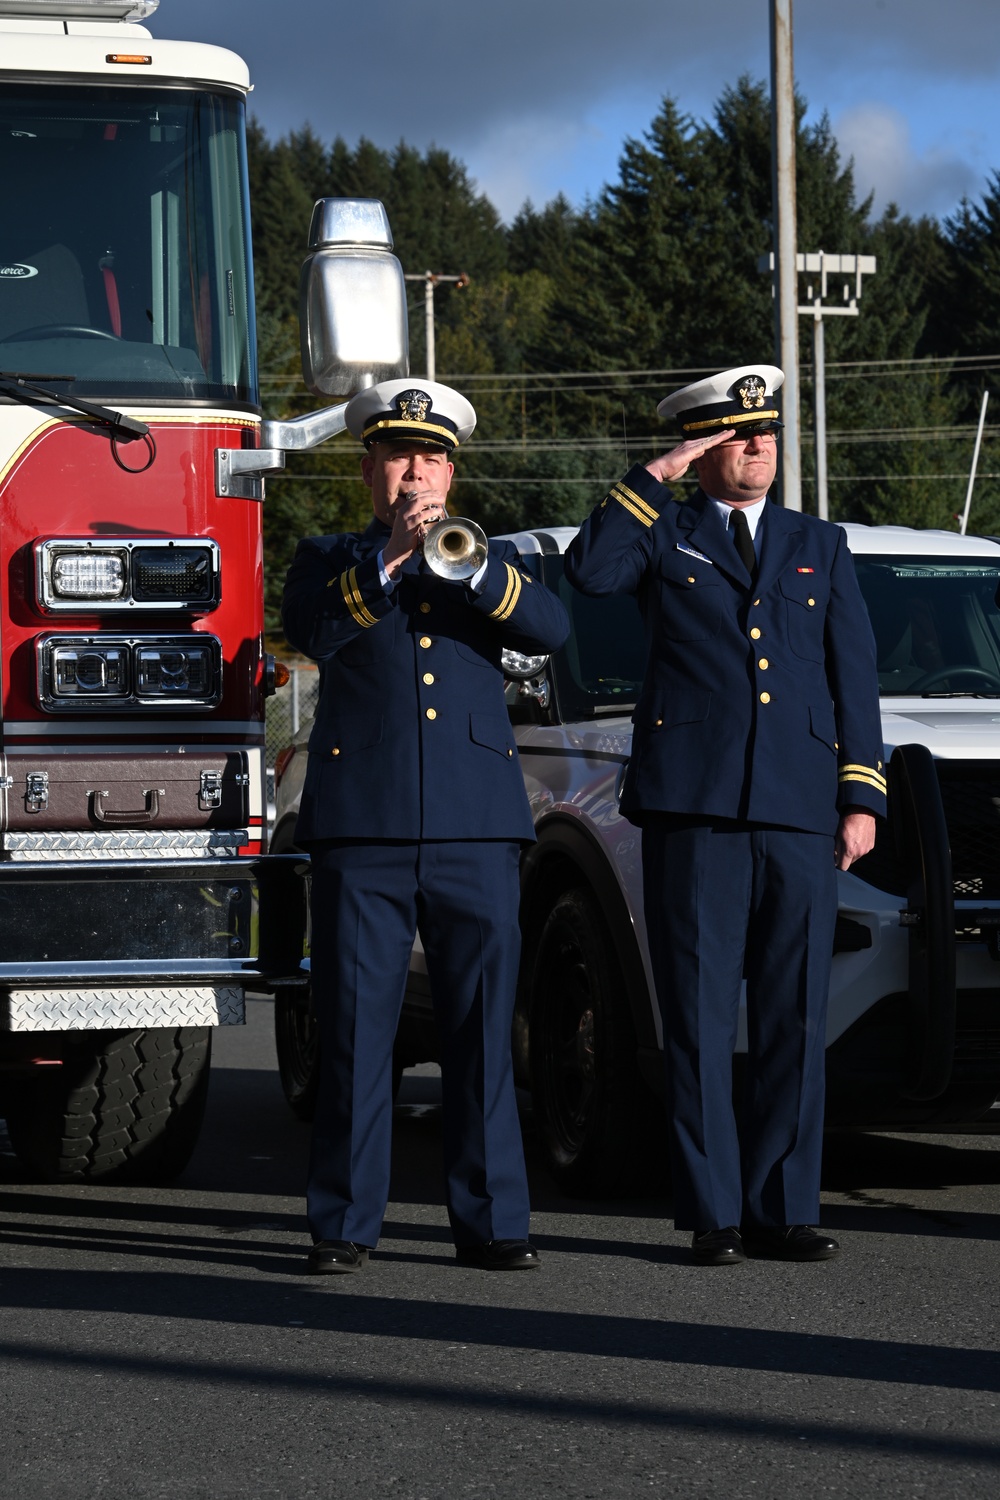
pixel 816 307
pixel 783 207
pixel 430 280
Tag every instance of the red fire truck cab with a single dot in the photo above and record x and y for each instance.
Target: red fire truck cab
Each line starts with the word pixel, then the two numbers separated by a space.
pixel 136 902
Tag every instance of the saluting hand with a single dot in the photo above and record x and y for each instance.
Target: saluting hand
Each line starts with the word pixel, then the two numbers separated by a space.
pixel 672 465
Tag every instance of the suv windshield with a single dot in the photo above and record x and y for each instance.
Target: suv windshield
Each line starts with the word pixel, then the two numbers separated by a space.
pixel 600 669
pixel 124 257
pixel 936 624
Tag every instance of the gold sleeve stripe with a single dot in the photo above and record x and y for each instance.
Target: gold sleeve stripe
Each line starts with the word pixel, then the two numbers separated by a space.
pixel 506 606
pixel 621 491
pixel 862 771
pixel 876 781
pixel 353 599
pixel 632 509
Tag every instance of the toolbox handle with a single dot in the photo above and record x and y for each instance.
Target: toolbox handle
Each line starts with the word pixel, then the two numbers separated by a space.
pixel 123 817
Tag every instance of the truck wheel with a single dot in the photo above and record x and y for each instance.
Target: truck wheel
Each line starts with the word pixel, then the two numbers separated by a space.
pixel 296 1040
pixel 123 1107
pixel 595 1122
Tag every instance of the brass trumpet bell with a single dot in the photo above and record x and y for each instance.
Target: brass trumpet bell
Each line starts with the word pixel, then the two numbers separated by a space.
pixel 455 548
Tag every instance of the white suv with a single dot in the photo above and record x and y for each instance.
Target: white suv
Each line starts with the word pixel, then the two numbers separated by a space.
pixel 914 1018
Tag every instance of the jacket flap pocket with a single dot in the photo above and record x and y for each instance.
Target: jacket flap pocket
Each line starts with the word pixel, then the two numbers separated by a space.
pixel 493 732
pixel 345 736
pixel 680 706
pixel 823 725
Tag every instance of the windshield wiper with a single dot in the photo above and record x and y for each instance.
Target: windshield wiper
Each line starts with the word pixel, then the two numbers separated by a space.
pixel 24 388
pixel 966 694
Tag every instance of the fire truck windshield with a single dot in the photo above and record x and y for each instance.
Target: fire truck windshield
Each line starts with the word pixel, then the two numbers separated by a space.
pixel 124 243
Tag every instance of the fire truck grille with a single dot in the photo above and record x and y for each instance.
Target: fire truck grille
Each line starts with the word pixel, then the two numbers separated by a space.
pixel 970 791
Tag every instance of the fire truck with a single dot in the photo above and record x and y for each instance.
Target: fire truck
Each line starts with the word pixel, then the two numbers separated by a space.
pixel 137 901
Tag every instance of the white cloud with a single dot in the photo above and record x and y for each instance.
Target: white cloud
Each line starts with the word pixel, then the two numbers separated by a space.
pixel 886 161
pixel 524 158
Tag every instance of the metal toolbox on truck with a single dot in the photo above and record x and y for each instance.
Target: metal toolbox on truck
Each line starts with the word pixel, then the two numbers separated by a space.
pixel 196 790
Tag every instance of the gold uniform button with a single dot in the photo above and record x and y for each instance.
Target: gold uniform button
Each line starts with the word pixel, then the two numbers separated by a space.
pixel 432 713
pixel 428 678
pixel 755 634
pixel 755 603
pixel 690 578
pixel 335 750
pixel 659 723
pixel 763 664
pixel 765 697
pixel 509 754
pixel 810 602
pixel 425 608
pixel 425 641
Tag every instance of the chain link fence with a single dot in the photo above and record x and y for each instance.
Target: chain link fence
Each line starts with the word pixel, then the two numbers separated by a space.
pixel 289 708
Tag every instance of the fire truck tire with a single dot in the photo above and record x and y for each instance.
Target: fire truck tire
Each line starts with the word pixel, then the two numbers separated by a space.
pixel 124 1107
pixel 594 1122
pixel 296 1041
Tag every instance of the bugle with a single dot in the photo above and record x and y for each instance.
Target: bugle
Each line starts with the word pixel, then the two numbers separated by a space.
pixel 455 548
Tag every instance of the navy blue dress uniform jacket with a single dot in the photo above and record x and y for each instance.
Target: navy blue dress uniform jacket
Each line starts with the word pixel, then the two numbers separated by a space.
pixel 411 691
pixel 759 705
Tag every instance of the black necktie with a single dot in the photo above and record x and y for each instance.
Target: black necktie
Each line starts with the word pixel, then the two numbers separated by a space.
pixel 742 540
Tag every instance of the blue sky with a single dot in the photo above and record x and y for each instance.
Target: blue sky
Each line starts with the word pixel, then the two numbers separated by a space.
pixel 537 96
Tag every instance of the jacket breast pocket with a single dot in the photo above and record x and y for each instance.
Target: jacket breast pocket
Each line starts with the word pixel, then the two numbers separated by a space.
pixel 372 645
pixel 482 654
pixel 690 599
pixel 805 598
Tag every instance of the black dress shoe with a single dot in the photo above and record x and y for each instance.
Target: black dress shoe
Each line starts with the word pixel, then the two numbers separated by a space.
pixel 334 1257
pixel 717 1247
pixel 790 1242
pixel 500 1255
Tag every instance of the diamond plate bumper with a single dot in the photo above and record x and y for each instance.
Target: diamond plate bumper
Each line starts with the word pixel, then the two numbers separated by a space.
pixel 169 941
pixel 100 1010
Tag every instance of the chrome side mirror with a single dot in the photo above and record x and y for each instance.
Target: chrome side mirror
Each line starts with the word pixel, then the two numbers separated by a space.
pixel 352 300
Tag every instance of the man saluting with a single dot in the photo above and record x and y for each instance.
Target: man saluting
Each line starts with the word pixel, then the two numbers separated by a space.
pixel 756 771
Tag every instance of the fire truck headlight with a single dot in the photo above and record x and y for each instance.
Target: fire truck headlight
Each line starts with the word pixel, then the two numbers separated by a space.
pixel 177 670
pixel 77 575
pixel 88 575
pixel 96 674
pixel 90 672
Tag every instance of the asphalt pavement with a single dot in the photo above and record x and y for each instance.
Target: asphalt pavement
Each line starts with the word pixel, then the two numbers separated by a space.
pixel 167 1342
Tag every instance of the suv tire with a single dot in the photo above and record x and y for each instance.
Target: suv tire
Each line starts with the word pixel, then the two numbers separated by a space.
pixel 595 1117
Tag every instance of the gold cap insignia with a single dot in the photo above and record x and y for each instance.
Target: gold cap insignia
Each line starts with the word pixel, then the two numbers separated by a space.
pixel 413 405
pixel 752 392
